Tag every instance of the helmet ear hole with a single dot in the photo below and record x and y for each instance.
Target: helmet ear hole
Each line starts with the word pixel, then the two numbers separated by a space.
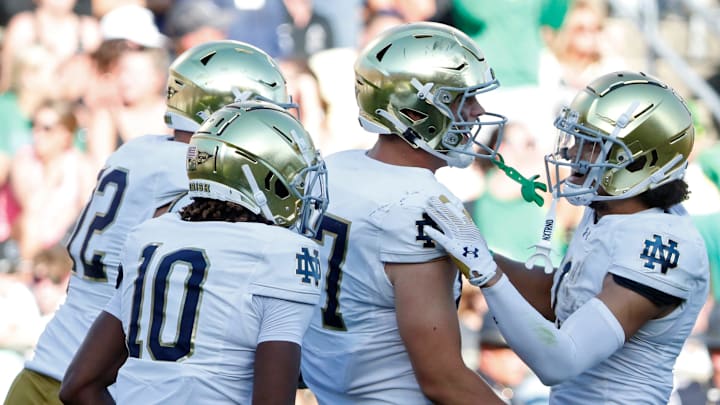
pixel 280 189
pixel 637 165
pixel 272 183
pixel 413 115
pixel 654 158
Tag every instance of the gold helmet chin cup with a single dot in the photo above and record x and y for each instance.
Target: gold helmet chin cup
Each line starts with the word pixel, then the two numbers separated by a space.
pixel 645 131
pixel 213 74
pixel 258 155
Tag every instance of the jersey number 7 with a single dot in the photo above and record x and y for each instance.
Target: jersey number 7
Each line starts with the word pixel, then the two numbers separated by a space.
pixel 337 229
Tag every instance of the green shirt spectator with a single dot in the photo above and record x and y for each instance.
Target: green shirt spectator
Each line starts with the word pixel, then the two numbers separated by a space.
pixel 509 34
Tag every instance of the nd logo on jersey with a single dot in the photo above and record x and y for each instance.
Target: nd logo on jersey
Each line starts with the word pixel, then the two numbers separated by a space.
pixel 308 265
pixel 656 252
pixel 421 236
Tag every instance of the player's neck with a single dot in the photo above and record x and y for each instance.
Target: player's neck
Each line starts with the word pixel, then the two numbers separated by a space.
pixel 393 150
pixel 619 207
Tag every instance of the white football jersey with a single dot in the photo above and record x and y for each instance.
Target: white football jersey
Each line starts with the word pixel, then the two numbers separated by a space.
pixel 659 250
pixel 186 304
pixel 352 352
pixel 142 175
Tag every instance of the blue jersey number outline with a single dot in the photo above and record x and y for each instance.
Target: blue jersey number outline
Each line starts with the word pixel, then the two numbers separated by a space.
pixel 94 269
pixel 338 229
pixel 182 346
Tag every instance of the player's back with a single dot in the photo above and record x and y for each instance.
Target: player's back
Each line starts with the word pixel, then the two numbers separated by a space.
pixel 188 310
pixel 140 176
pixel 353 351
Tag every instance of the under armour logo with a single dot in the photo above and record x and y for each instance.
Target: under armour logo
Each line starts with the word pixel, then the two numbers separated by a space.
pixel 426 221
pixel 308 265
pixel 467 251
pixel 655 252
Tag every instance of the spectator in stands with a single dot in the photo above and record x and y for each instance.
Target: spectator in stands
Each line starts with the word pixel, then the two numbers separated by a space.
pixel 31 83
pixel 51 179
pixel 304 31
pixel 409 10
pixel 139 76
pixel 191 22
pixel 579 51
pixel 510 33
pixel 51 270
pixel 53 25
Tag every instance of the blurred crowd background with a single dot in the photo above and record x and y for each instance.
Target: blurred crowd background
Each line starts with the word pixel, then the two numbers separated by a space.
pixel 80 77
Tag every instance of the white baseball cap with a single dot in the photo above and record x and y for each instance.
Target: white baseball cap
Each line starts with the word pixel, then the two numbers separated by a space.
pixel 133 23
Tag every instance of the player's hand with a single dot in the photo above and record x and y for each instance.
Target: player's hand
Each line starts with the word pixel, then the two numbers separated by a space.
pixel 461 239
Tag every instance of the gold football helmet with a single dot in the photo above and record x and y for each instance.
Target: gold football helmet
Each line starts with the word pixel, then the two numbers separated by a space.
pixel 623 134
pixel 213 74
pixel 258 155
pixel 414 80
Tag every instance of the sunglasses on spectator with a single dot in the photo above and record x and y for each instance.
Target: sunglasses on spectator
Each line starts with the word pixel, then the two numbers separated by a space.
pixel 44 126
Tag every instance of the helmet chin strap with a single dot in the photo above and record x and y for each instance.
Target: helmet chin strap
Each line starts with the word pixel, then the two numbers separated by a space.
pixel 655 180
pixel 306 151
pixel 241 96
pixel 258 195
pixel 423 90
pixel 410 136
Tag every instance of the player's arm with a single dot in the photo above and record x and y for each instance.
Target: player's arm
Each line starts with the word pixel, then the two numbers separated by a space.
pixel 277 356
pixel 428 323
pixel 96 363
pixel 534 285
pixel 590 335
pixel 634 304
pixel 277 366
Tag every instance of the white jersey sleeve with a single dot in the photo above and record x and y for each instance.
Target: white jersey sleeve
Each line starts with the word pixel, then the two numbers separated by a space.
pixel 662 251
pixel 282 320
pixel 295 274
pixel 402 239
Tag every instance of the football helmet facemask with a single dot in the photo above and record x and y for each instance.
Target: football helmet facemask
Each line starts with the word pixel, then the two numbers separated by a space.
pixel 258 155
pixel 623 134
pixel 415 80
pixel 213 74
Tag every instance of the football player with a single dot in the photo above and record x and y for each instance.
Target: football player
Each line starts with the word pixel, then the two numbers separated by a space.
pixel 386 329
pixel 215 300
pixel 140 180
pixel 609 323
